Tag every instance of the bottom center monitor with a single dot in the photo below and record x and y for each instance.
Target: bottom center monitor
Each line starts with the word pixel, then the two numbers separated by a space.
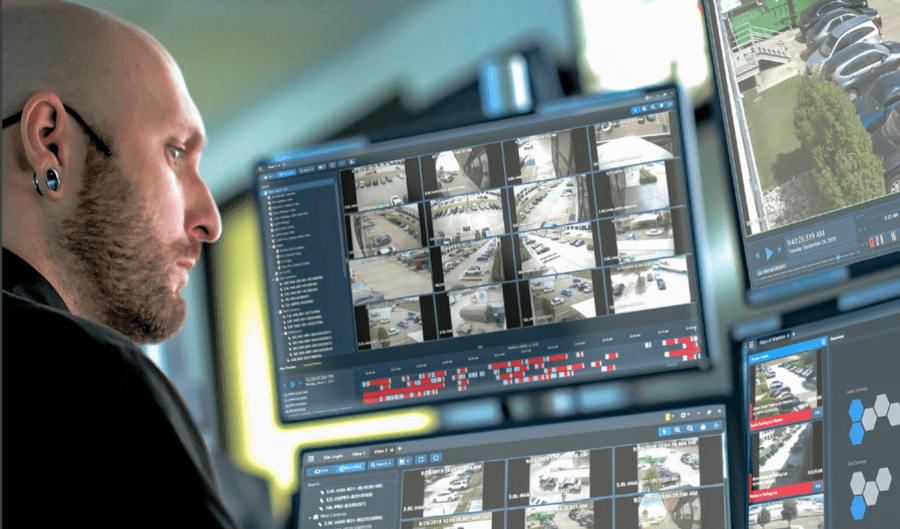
pixel 662 469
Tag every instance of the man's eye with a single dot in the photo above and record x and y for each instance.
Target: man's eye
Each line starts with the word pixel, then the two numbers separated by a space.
pixel 175 152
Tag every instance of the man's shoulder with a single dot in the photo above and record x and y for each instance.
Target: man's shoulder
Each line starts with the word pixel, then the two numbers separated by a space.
pixel 47 334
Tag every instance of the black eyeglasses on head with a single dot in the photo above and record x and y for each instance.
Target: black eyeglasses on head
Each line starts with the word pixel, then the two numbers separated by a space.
pixel 101 146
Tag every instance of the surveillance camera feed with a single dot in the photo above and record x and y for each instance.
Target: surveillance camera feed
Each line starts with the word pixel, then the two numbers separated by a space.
pixel 659 469
pixel 823 411
pixel 528 252
pixel 810 92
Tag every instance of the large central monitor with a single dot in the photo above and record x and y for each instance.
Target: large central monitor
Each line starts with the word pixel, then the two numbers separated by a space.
pixel 810 93
pixel 528 252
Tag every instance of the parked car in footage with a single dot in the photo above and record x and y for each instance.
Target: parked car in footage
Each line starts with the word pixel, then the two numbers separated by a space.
pixel 817 33
pixel 858 66
pixel 814 14
pixel 878 101
pixel 857 29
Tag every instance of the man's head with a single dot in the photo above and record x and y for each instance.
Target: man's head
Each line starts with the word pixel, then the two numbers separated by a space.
pixel 105 107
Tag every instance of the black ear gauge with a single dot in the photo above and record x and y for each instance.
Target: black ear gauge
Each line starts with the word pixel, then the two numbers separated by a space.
pixel 52 179
pixel 37 187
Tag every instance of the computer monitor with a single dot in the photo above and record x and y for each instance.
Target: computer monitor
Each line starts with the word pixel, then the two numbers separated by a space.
pixel 662 469
pixel 814 143
pixel 545 249
pixel 822 421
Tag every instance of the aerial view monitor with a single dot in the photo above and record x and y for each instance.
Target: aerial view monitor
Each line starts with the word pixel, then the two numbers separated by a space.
pixel 810 93
pixel 529 252
pixel 822 422
pixel 663 469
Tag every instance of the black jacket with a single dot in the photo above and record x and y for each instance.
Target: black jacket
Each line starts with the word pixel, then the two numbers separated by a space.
pixel 92 431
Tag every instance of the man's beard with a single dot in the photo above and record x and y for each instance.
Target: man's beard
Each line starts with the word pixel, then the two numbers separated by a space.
pixel 121 268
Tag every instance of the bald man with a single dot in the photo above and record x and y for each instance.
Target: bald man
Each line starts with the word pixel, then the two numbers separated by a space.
pixel 104 213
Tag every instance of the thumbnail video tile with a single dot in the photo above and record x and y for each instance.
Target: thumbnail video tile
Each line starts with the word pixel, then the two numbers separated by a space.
pixel 786 385
pixel 633 141
pixel 557 250
pixel 467 217
pixel 633 189
pixel 562 298
pixel 557 478
pixel 471 264
pixel 477 310
pixel 545 156
pixel 397 275
pixel 806 511
pixel 644 236
pixel 649 285
pixel 453 489
pixel 566 516
pixel 671 510
pixel 385 231
pixel 787 456
pixel 380 185
pixel 552 203
pixel 668 465
pixel 458 172
pixel 394 323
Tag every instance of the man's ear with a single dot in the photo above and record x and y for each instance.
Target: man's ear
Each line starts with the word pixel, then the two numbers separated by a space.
pixel 46 138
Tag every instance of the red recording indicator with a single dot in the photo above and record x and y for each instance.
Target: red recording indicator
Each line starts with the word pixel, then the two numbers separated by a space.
pixel 557 358
pixel 507 376
pixel 379 382
pixel 682 352
pixel 462 370
pixel 683 339
pixel 538 360
pixel 608 368
pixel 400 391
pixel 780 492
pixel 612 356
pixel 780 420
pixel 690 357
pixel 597 363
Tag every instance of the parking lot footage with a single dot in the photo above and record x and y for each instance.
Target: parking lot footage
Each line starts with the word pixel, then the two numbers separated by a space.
pixel 395 323
pixel 471 264
pixel 380 185
pixel 634 189
pixel 568 516
pixel 840 55
pixel 786 385
pixel 557 250
pixel 634 141
pixel 672 510
pixel 459 172
pixel 467 217
pixel 668 465
pixel 385 231
pixel 551 203
pixel 453 489
pixel 556 478
pixel 477 310
pixel 562 298
pixel 649 285
pixel 644 236
pixel 464 521
pixel 787 456
pixel 807 511
pixel 397 275
pixel 544 157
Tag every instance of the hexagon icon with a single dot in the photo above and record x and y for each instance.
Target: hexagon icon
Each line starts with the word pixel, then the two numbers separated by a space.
pixel 857 483
pixel 869 418
pixel 893 414
pixel 858 508
pixel 883 480
pixel 856 433
pixel 856 410
pixel 871 493
pixel 881 405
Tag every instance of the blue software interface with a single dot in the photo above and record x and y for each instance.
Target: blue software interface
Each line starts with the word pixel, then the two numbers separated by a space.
pixel 544 249
pixel 660 469
pixel 823 423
